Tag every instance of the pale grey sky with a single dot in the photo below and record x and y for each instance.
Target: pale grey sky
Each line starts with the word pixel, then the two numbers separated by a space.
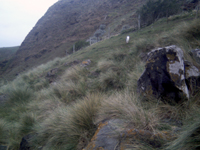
pixel 18 17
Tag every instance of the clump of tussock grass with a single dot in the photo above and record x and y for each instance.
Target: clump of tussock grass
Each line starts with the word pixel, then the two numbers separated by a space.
pixel 18 130
pixel 54 63
pixel 134 75
pixel 19 95
pixel 191 32
pixel 194 100
pixel 45 107
pixel 67 125
pixel 4 130
pixel 35 81
pixel 173 114
pixel 118 56
pixel 111 80
pixel 70 91
pixel 145 45
pixel 104 65
pixel 180 112
pixel 35 78
pixel 126 105
pixel 74 73
pixel 27 123
pixel 188 139
pixel 14 138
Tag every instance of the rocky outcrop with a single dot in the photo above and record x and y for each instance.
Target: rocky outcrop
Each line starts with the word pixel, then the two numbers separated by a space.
pixel 3 147
pixel 51 75
pixel 195 53
pixel 86 63
pixel 113 135
pixel 192 76
pixel 25 143
pixel 167 75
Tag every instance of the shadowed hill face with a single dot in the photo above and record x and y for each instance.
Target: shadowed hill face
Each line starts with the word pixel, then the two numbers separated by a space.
pixel 66 22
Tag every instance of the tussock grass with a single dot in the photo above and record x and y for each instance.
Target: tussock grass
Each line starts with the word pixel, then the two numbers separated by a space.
pixel 126 105
pixel 145 45
pixel 173 113
pixel 74 73
pixel 18 130
pixel 192 31
pixel 104 65
pixel 4 128
pixel 14 137
pixel 34 80
pixel 135 75
pixel 19 95
pixel 63 114
pixel 70 91
pixel 27 123
pixel 68 125
pixel 111 80
pixel 188 139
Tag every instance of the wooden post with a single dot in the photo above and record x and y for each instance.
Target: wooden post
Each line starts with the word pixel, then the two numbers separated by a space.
pixel 74 48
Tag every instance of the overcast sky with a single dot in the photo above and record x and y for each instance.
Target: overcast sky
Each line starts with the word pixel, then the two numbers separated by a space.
pixel 18 17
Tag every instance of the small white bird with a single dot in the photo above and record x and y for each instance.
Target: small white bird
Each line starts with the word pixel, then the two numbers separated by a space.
pixel 127 39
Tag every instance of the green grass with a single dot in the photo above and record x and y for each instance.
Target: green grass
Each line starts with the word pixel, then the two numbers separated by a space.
pixel 7 52
pixel 64 114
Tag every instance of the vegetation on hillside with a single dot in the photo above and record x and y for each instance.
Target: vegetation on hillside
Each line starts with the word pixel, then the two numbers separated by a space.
pixel 64 114
pixel 7 52
pixel 154 10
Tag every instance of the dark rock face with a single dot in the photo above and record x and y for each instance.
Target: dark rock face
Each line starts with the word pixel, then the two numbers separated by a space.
pixel 165 75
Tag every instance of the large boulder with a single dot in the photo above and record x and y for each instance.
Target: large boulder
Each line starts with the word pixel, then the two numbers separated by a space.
pixel 165 75
pixel 106 136
pixel 3 147
pixel 192 77
pixel 195 53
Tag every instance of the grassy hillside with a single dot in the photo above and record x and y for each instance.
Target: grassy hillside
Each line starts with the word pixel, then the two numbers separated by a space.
pixel 67 22
pixel 61 110
pixel 7 52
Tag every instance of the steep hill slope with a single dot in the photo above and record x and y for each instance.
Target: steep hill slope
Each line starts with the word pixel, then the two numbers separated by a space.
pixel 66 22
